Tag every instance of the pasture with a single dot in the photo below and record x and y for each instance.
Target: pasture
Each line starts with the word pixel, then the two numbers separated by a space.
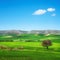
pixel 28 47
pixel 30 51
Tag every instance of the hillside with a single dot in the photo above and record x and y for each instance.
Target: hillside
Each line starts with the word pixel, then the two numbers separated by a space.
pixel 30 32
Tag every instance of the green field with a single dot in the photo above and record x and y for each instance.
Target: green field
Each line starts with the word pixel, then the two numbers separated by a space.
pixel 28 47
pixel 29 38
pixel 30 51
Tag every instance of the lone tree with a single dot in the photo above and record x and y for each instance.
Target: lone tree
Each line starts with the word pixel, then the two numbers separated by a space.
pixel 46 43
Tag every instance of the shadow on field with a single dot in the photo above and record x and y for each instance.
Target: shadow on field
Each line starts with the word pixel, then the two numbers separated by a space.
pixel 29 55
pixel 42 49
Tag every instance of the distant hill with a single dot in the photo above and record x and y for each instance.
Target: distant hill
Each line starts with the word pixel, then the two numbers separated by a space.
pixel 30 32
pixel 46 31
pixel 12 32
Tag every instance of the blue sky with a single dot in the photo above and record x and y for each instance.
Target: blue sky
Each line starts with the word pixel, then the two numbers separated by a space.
pixel 29 14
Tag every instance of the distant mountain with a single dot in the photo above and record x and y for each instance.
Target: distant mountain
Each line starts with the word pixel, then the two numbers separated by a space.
pixel 28 32
pixel 46 31
pixel 12 32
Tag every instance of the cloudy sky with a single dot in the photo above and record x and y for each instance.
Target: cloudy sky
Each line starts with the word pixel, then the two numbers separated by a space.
pixel 29 14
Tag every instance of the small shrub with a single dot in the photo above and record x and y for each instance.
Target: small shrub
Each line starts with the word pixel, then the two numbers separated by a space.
pixel 3 47
pixel 21 47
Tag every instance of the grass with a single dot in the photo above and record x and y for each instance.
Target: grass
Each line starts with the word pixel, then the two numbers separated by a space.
pixel 30 37
pixel 29 55
pixel 31 51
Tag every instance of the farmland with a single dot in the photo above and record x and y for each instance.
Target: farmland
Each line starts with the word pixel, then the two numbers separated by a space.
pixel 29 38
pixel 28 47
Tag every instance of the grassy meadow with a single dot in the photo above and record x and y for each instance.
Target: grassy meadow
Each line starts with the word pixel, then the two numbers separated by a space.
pixel 28 47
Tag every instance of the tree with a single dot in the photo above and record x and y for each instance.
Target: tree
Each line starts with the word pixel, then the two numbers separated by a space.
pixel 46 43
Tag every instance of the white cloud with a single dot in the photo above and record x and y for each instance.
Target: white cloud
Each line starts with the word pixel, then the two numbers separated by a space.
pixel 39 12
pixel 53 14
pixel 51 9
pixel 43 11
